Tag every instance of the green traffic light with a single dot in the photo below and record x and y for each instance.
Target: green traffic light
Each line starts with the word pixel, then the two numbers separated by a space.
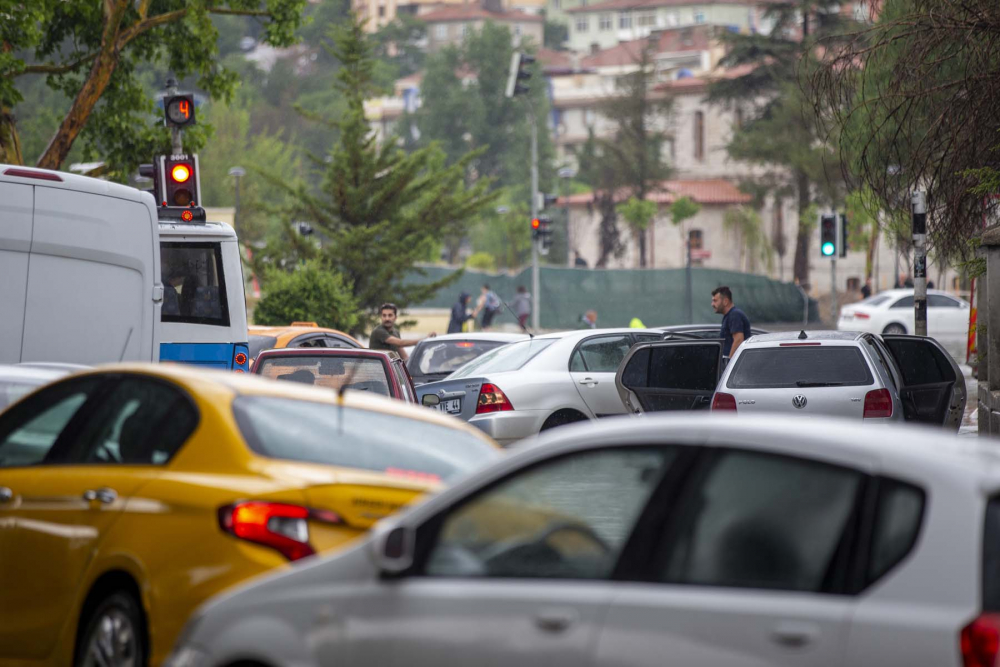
pixel 827 249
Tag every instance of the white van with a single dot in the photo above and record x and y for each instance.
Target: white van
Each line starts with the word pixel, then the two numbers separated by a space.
pixel 79 269
pixel 80 277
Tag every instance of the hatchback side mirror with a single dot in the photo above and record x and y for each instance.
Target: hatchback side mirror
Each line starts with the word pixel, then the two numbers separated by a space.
pixel 430 401
pixel 393 549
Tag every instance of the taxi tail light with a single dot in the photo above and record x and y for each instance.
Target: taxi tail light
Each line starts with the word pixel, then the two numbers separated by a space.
pixel 491 399
pixel 723 402
pixel 280 526
pixel 878 404
pixel 979 641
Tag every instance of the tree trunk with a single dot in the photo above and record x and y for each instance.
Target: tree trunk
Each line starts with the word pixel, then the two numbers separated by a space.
pixel 608 229
pixel 800 267
pixel 641 236
pixel 10 143
pixel 872 248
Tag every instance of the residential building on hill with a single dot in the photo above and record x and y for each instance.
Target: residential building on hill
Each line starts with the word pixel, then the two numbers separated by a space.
pixel 450 25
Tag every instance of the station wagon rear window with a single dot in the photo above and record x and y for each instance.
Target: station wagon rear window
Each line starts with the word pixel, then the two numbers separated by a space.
pixel 194 287
pixel 806 366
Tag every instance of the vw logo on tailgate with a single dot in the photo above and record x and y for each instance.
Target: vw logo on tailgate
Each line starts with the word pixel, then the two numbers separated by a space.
pixel 799 401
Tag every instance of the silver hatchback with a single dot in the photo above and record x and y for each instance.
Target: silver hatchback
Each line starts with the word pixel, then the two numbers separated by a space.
pixel 877 378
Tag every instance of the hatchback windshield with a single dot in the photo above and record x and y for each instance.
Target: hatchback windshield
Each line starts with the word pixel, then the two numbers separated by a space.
pixel 806 366
pixel 285 428
pixel 507 358
pixel 448 355
pixel 333 372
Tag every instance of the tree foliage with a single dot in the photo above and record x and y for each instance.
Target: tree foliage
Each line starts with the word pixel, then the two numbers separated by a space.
pixel 378 210
pixel 309 293
pixel 93 53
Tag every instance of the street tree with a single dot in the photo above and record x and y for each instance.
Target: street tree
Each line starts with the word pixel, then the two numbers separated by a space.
pixel 780 131
pixel 605 181
pixel 93 53
pixel 310 292
pixel 378 210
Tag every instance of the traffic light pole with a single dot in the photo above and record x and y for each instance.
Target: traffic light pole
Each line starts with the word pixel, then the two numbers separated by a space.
pixel 177 145
pixel 535 286
pixel 919 208
pixel 834 308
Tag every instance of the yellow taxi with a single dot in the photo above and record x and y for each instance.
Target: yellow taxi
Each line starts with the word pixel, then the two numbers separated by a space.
pixel 296 334
pixel 131 494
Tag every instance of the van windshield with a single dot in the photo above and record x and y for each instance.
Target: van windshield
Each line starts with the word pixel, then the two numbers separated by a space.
pixel 194 286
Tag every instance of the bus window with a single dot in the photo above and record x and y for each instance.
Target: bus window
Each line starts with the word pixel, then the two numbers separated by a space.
pixel 194 285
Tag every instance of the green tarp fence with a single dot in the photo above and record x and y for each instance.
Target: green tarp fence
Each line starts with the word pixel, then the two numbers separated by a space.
pixel 656 296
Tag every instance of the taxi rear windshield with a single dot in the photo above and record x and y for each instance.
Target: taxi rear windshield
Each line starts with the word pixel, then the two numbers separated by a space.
pixel 296 430
pixel 805 366
pixel 194 286
pixel 355 373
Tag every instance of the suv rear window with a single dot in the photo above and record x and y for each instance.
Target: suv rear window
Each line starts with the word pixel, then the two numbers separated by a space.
pixel 778 367
pixel 294 430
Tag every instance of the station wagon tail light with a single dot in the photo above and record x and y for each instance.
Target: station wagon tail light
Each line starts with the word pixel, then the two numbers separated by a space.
pixel 723 402
pixel 491 399
pixel 980 641
pixel 878 404
pixel 280 526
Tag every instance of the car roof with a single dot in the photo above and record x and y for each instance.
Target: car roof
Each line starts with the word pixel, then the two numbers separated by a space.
pixel 171 228
pixel 245 384
pixel 908 291
pixel 326 352
pixel 584 333
pixel 503 337
pixel 70 181
pixel 793 336
pixel 23 373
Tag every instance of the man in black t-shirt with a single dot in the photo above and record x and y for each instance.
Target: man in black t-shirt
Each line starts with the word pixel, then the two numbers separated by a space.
pixel 735 323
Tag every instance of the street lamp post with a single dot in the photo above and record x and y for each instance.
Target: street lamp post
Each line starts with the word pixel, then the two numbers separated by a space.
pixel 237 172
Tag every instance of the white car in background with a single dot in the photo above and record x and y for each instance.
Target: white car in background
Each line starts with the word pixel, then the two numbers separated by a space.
pixel 680 541
pixel 891 312
pixel 522 388
pixel 18 380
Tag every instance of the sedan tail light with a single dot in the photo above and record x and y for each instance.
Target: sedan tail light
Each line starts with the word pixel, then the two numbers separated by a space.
pixel 979 641
pixel 491 399
pixel 878 404
pixel 280 526
pixel 862 316
pixel 723 402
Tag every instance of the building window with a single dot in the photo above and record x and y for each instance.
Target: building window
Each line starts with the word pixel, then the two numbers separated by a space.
pixel 464 30
pixel 647 19
pixel 699 17
pixel 556 4
pixel 381 11
pixel 739 118
pixel 696 239
pixel 699 135
pixel 605 22
pixel 441 31
pixel 517 31
pixel 624 20
pixel 673 19
pixel 582 23
pixel 589 117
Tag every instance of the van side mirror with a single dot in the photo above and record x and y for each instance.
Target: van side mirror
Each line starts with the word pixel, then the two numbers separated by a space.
pixel 393 549
pixel 430 401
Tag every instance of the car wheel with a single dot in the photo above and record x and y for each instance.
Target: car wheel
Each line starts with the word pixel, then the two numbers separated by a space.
pixel 894 329
pixel 562 418
pixel 113 634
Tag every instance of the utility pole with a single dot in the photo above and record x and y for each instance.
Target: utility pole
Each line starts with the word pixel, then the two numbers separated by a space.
pixel 535 283
pixel 918 205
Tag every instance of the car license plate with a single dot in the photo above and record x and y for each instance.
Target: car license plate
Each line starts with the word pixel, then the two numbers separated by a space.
pixel 452 406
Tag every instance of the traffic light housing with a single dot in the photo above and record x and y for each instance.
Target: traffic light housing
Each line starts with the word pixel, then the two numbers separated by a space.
pixel 178 110
pixel 828 236
pixel 150 171
pixel 520 70
pixel 179 180
pixel 541 233
pixel 844 233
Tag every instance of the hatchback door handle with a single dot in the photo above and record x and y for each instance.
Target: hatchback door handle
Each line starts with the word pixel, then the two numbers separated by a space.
pixel 555 620
pixel 5 494
pixel 794 634
pixel 103 495
pixel 590 382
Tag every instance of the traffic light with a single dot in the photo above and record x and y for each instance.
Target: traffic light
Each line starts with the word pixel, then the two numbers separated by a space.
pixel 520 70
pixel 150 171
pixel 179 178
pixel 541 233
pixel 828 235
pixel 844 233
pixel 178 110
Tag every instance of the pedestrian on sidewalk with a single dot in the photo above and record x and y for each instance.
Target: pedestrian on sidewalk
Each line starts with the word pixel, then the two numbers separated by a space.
pixel 522 305
pixel 588 320
pixel 866 289
pixel 460 313
pixel 387 337
pixel 490 304
pixel 735 323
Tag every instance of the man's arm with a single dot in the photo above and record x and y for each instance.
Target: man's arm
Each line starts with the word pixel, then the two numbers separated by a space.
pixel 404 342
pixel 737 341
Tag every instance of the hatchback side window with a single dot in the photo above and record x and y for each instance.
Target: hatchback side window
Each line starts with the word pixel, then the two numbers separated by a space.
pixel 29 430
pixel 764 521
pixel 140 421
pixel 898 515
pixel 567 518
pixel 603 354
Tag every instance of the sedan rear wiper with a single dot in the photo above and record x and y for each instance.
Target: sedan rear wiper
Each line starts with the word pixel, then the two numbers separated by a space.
pixel 806 383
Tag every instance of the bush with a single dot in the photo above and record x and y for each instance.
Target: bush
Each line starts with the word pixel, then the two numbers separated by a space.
pixel 310 293
pixel 482 261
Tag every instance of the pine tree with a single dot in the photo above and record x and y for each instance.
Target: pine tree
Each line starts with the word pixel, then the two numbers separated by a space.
pixel 379 210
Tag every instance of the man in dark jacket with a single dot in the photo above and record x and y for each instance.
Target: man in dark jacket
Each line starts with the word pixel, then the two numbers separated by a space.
pixel 460 314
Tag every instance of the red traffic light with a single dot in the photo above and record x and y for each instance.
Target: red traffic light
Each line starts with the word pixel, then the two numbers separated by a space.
pixel 180 173
pixel 536 223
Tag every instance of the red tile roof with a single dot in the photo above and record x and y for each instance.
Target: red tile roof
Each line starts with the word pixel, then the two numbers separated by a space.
pixel 694 38
pixel 708 191
pixel 475 13
pixel 610 5
pixel 552 59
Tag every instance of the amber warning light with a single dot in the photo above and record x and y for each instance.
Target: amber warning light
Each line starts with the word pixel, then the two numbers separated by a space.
pixel 180 173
